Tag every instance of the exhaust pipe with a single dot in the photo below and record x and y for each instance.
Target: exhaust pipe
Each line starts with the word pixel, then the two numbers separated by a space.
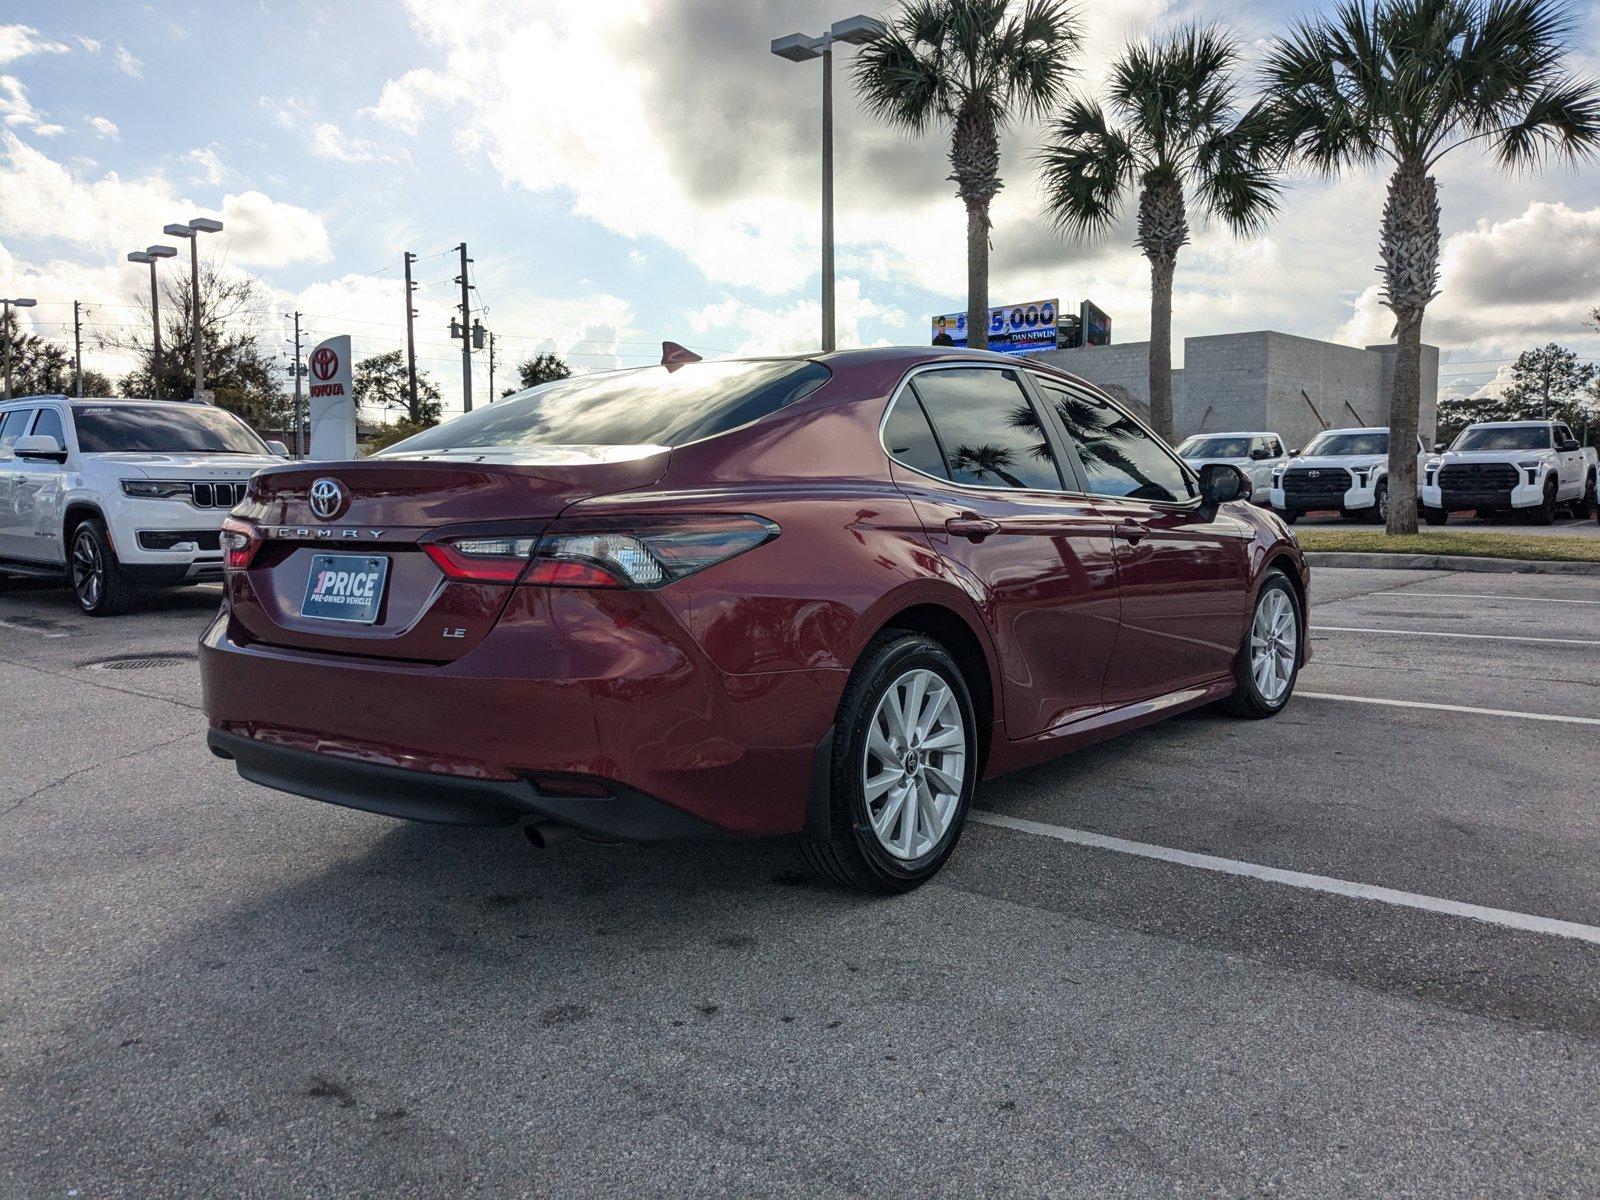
pixel 544 834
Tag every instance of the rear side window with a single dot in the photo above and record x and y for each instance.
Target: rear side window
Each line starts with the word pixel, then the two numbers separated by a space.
pixel 909 439
pixel 13 425
pixel 647 406
pixel 1119 457
pixel 49 424
pixel 990 433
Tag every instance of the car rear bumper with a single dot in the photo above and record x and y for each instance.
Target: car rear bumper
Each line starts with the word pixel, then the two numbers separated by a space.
pixel 623 815
pixel 594 687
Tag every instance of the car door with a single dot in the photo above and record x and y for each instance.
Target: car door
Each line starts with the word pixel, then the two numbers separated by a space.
pixel 985 474
pixel 13 424
pixel 1261 464
pixel 1569 462
pixel 1183 570
pixel 36 495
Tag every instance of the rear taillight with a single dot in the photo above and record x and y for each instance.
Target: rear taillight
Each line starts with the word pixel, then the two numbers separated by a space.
pixel 240 541
pixel 643 552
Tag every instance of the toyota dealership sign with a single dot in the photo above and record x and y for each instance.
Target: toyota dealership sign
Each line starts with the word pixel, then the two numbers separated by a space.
pixel 333 401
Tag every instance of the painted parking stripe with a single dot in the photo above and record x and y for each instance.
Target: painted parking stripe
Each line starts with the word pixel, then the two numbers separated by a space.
pixel 1440 633
pixel 1559 718
pixel 1483 596
pixel 1526 922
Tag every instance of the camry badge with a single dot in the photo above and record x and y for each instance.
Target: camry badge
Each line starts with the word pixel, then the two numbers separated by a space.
pixel 327 499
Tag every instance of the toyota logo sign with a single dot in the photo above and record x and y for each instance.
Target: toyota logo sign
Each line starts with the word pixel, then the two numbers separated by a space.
pixel 327 496
pixel 324 363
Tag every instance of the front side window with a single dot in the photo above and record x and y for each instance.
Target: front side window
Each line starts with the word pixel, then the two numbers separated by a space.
pixel 49 425
pixel 645 406
pixel 1215 447
pixel 162 429
pixel 1119 457
pixel 1563 434
pixel 1274 448
pixel 988 428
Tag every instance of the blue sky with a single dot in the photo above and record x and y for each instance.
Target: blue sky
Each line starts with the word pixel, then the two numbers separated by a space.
pixel 633 172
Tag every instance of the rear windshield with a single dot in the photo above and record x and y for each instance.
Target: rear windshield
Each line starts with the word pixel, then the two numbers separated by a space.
pixel 162 429
pixel 1338 444
pixel 647 406
pixel 1233 447
pixel 1526 437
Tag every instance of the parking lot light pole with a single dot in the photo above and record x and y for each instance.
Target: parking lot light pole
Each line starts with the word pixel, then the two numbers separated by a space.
pixel 5 332
pixel 192 232
pixel 153 255
pixel 800 47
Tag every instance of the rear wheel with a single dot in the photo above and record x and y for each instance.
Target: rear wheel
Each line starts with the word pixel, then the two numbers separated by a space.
pixel 904 768
pixel 1289 515
pixel 1269 660
pixel 97 579
pixel 1435 516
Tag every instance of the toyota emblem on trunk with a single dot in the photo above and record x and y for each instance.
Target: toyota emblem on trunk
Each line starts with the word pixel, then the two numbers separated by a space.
pixel 327 498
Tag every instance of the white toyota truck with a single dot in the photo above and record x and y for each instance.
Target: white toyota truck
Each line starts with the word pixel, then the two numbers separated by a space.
pixel 111 496
pixel 1342 470
pixel 1497 468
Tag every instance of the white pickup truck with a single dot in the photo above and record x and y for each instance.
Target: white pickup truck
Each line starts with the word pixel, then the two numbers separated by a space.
pixel 1257 453
pixel 1530 468
pixel 1343 470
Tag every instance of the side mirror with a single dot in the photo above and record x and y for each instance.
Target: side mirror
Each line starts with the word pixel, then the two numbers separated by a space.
pixel 278 448
pixel 1568 446
pixel 1295 453
pixel 1220 483
pixel 1259 453
pixel 39 446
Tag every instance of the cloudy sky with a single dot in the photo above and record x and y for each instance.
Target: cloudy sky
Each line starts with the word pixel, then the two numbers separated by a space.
pixel 624 173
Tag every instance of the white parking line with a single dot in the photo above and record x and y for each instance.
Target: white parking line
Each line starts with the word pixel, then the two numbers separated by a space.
pixel 1477 637
pixel 1526 922
pixel 1483 596
pixel 1460 708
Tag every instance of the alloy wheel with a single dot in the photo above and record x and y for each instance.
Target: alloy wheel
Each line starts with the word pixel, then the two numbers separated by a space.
pixel 1274 640
pixel 88 569
pixel 914 765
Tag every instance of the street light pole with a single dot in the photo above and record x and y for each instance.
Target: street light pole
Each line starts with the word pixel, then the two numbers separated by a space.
pixel 800 47
pixel 5 334
pixel 192 231
pixel 153 255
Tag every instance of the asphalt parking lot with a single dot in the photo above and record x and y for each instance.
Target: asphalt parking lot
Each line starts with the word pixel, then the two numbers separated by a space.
pixel 211 989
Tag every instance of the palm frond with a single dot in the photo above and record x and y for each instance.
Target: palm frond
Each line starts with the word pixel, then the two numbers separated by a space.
pixel 1087 167
pixel 1561 121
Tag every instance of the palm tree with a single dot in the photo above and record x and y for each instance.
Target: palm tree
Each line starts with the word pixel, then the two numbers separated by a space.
pixel 1179 130
pixel 1408 81
pixel 974 66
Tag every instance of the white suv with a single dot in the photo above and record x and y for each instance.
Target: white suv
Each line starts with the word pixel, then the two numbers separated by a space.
pixel 1340 469
pixel 1257 454
pixel 115 495
pixel 1526 467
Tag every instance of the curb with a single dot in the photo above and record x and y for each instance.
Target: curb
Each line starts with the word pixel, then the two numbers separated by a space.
pixel 1451 562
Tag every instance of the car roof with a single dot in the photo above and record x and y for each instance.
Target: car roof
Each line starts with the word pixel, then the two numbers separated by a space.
pixel 115 400
pixel 1512 424
pixel 1360 429
pixel 1235 433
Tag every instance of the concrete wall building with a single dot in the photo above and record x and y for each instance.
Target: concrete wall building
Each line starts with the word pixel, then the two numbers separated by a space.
pixel 1294 386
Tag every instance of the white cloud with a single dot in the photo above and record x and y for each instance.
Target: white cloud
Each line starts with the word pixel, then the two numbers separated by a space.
pixel 330 142
pixel 797 326
pixel 16 110
pixel 1504 284
pixel 263 232
pixel 405 103
pixel 19 41
pixel 88 43
pixel 208 164
pixel 127 63
pixel 104 126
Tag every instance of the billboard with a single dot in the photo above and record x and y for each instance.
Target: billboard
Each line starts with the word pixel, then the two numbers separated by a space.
pixel 1096 325
pixel 1025 328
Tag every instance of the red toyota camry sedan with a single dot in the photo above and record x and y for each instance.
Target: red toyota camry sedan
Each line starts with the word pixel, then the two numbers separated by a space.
pixel 820 595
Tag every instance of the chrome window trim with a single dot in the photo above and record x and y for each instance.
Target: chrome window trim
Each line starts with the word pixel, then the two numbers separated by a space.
pixel 960 364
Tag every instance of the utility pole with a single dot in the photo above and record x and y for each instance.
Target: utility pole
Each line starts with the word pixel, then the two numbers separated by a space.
pixel 77 350
pixel 827 194
pixel 411 341
pixel 466 335
pixel 299 449
pixel 492 392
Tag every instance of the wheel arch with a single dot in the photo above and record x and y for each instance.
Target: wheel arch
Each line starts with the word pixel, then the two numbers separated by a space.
pixel 78 511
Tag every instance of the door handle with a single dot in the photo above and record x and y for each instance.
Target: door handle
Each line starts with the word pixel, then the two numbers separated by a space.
pixel 971 526
pixel 1131 533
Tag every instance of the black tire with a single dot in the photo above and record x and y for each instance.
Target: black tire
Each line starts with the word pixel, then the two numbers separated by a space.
pixel 102 590
pixel 1247 700
pixel 1289 515
pixel 1545 513
pixel 1378 514
pixel 1435 516
pixel 851 854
